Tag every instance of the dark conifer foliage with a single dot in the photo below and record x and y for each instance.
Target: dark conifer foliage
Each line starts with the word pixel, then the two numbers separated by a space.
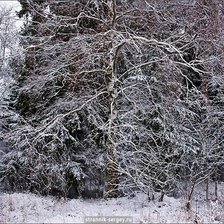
pixel 116 96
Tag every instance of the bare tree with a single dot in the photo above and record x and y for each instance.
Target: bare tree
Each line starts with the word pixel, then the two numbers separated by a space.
pixel 112 98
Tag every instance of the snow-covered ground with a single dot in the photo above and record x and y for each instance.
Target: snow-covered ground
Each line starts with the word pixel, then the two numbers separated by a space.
pixel 29 208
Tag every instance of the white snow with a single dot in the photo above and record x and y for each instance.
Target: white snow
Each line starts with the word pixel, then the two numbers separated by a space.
pixel 9 3
pixel 16 7
pixel 29 208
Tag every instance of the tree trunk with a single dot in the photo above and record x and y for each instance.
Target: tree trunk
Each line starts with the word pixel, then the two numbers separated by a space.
pixel 216 190
pixel 112 174
pixel 207 189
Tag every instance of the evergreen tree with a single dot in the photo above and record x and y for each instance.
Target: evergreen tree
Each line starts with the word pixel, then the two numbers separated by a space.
pixel 113 97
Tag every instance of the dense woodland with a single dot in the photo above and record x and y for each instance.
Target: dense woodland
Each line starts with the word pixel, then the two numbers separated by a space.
pixel 111 97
